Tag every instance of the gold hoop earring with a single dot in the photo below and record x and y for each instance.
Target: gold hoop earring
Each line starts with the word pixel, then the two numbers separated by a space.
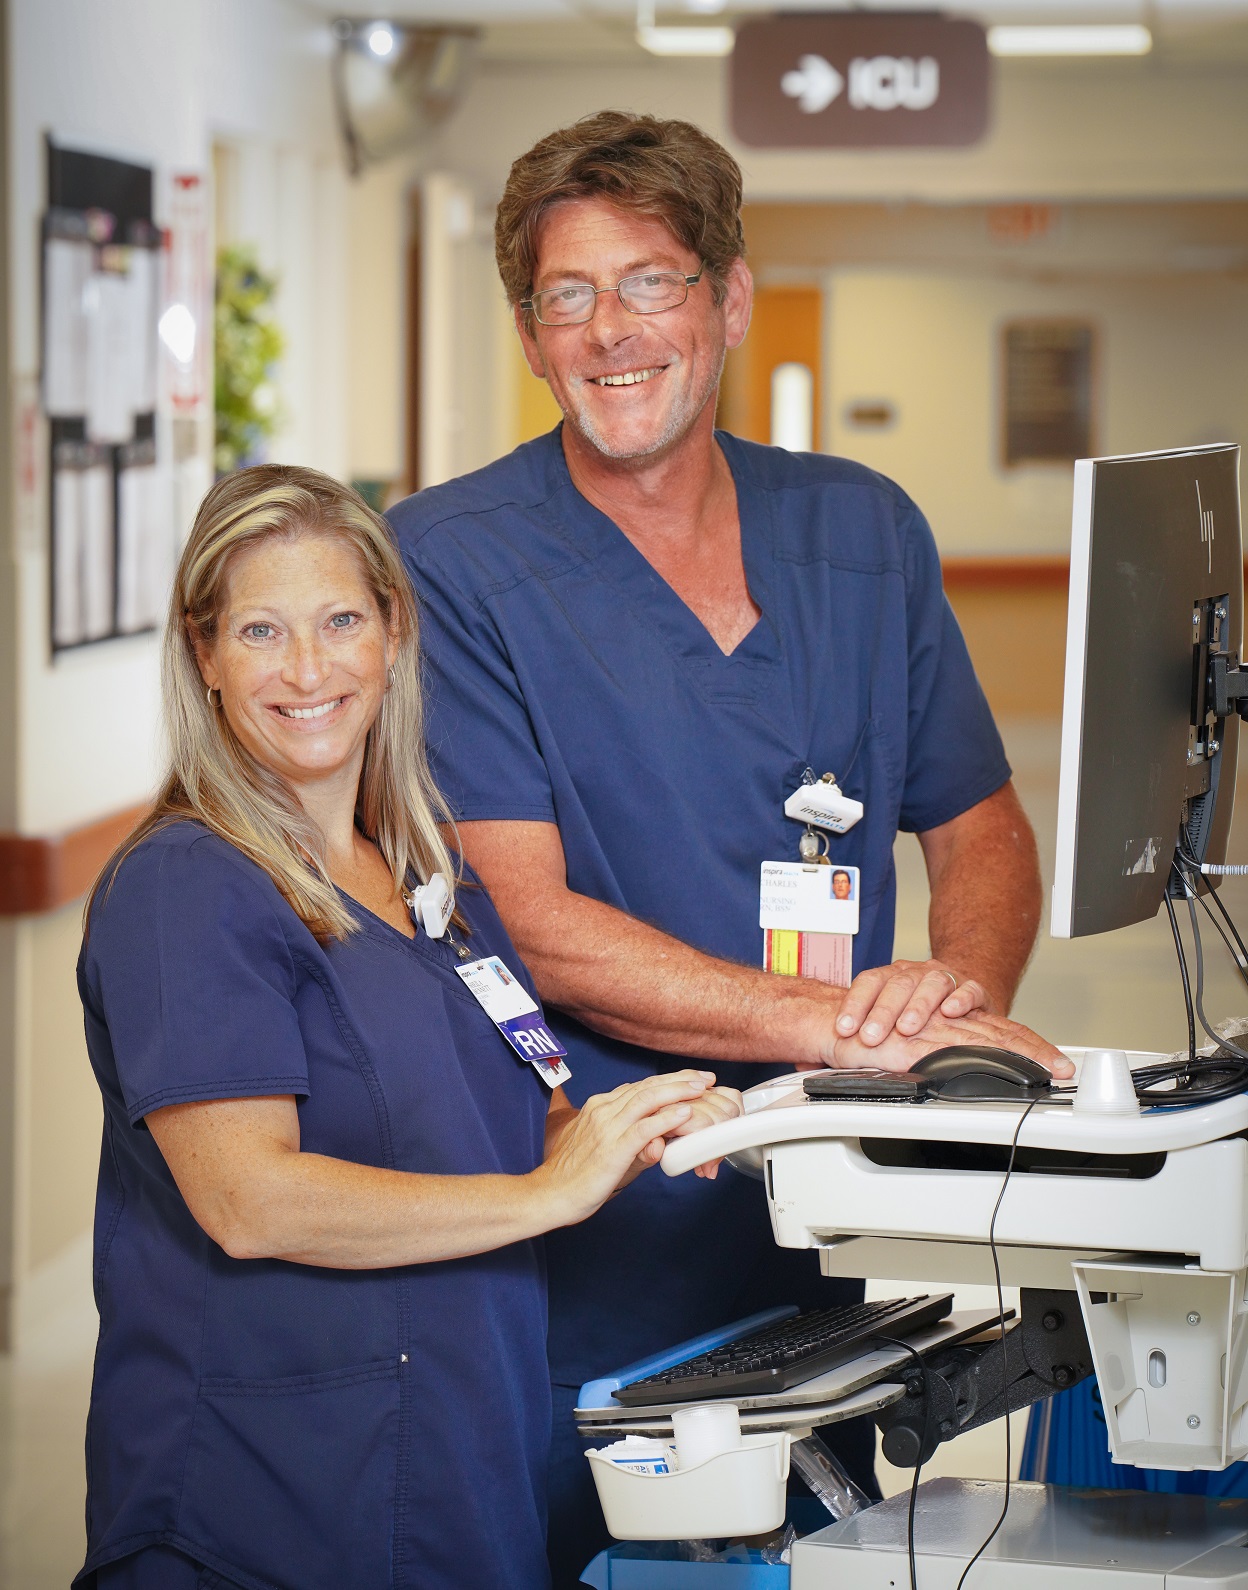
pixel 390 677
pixel 210 695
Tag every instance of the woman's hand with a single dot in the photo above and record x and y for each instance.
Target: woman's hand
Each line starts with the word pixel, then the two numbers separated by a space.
pixel 716 1105
pixel 594 1151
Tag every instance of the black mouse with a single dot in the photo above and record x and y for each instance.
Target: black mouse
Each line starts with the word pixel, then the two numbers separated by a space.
pixel 976 1071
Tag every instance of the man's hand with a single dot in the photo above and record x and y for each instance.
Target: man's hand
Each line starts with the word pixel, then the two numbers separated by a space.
pixel 898 1053
pixel 985 911
pixel 905 996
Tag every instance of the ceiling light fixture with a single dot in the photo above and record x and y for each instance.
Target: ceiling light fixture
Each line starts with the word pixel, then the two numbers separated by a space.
pixel 680 40
pixel 1107 39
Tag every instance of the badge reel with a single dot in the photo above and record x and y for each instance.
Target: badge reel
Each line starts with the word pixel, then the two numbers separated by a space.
pixel 808 909
pixel 431 905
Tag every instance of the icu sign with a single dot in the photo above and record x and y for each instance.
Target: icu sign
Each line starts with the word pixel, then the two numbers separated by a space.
pixel 859 81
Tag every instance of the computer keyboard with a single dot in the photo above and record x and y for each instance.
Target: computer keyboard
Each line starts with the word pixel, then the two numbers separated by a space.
pixel 787 1353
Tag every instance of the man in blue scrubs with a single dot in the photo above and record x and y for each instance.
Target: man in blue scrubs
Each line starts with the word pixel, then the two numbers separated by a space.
pixel 641 635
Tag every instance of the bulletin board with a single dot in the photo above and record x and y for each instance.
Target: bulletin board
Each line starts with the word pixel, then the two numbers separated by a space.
pixel 1048 408
pixel 110 502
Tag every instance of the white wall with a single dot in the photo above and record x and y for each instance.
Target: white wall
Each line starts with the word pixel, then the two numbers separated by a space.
pixel 377 228
pixel 466 393
pixel 157 81
pixel 1170 371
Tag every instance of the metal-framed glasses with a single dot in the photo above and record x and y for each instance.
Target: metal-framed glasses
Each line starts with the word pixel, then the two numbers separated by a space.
pixel 648 293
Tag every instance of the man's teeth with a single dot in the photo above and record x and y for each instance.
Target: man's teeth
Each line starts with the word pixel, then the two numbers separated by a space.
pixel 629 378
pixel 311 712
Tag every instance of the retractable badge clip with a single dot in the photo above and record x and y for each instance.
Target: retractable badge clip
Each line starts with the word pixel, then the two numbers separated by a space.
pixel 822 804
pixel 431 905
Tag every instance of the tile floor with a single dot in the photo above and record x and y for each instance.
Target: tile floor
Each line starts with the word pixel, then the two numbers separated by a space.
pixel 1120 989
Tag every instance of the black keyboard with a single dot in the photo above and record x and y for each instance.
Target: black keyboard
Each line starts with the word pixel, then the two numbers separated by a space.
pixel 788 1352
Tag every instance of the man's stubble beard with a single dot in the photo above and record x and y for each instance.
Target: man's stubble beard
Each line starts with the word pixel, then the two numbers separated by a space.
pixel 679 422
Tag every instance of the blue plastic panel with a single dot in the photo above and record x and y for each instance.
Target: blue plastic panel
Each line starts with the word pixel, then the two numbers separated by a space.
pixel 622 1568
pixel 600 1393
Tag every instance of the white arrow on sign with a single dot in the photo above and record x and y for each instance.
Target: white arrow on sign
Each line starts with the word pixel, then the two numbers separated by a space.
pixel 814 85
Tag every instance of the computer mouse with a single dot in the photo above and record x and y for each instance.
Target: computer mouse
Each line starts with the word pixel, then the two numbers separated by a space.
pixel 977 1071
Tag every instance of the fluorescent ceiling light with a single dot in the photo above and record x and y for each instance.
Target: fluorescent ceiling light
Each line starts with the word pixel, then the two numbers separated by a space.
pixel 686 41
pixel 1108 39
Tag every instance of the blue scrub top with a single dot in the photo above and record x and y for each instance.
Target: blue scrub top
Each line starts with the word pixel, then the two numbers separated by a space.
pixel 570 684
pixel 284 1424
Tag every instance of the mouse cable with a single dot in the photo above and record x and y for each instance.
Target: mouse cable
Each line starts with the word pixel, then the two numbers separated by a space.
pixel 1005 1356
pixel 895 1341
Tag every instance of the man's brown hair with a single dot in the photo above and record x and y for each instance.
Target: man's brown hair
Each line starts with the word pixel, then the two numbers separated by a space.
pixel 668 170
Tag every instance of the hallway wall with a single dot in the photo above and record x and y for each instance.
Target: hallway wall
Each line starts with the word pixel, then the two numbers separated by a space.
pixel 156 81
pixel 1169 372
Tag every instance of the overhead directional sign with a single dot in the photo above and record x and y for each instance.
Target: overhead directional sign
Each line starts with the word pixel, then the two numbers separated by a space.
pixel 860 80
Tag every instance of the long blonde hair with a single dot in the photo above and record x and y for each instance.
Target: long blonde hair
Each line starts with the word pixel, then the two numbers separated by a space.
pixel 211 777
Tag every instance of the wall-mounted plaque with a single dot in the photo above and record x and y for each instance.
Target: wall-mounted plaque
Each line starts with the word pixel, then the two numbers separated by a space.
pixel 859 80
pixel 1047 388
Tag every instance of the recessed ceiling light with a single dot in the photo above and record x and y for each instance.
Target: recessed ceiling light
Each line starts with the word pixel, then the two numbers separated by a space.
pixel 686 41
pixel 1104 39
pixel 381 38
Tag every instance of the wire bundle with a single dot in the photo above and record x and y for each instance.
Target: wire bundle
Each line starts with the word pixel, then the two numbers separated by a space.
pixel 1198 1079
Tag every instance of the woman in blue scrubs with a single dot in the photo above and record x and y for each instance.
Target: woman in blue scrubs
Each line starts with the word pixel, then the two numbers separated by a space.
pixel 322 1305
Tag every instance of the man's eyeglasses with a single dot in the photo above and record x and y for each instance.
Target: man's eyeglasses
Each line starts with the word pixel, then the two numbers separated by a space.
pixel 649 293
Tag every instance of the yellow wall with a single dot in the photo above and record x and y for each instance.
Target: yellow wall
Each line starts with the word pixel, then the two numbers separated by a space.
pixel 536 411
pixel 1171 364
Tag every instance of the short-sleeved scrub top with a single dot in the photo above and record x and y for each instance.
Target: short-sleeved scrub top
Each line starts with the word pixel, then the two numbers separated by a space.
pixel 287 1425
pixel 570 684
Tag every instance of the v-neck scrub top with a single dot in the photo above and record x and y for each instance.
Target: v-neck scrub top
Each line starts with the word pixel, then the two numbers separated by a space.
pixel 570 684
pixel 288 1425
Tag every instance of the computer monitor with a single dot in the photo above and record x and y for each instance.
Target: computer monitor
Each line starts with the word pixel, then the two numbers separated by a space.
pixel 1156 608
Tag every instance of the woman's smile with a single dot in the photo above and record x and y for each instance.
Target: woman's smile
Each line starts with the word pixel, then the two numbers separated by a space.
pixel 300 658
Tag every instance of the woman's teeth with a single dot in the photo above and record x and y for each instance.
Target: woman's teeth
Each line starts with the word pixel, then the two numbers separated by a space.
pixel 629 378
pixel 311 712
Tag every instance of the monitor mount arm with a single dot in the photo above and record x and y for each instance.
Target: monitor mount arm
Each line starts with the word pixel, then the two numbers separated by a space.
pixel 1228 685
pixel 973 1384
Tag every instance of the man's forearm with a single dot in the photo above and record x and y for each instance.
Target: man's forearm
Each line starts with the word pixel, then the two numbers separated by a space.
pixel 629 980
pixel 622 977
pixel 986 895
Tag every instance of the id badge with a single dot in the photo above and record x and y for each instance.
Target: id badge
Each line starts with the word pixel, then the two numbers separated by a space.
pixel 808 897
pixel 809 914
pixel 506 1001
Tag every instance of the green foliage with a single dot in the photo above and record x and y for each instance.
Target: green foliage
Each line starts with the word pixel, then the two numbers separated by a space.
pixel 247 346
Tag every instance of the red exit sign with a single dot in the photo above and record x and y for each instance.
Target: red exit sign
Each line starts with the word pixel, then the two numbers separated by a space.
pixel 858 81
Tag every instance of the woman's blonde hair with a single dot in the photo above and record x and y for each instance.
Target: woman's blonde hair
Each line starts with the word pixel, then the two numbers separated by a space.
pixel 214 780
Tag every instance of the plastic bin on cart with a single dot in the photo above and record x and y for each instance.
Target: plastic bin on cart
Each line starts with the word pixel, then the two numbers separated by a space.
pixel 741 1492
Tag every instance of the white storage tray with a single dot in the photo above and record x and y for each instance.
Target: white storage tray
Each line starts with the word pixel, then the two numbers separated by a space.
pixel 741 1492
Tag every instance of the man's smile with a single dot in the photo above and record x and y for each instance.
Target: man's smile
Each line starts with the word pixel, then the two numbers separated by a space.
pixel 628 377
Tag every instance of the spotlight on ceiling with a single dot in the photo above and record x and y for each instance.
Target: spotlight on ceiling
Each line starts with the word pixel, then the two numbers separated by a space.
pixel 393 83
pixel 1090 39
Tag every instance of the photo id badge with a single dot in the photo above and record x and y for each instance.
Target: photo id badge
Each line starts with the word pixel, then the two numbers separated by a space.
pixel 506 1001
pixel 805 897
